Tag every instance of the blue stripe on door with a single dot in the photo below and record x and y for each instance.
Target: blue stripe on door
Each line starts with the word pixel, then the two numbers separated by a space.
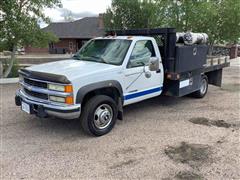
pixel 143 93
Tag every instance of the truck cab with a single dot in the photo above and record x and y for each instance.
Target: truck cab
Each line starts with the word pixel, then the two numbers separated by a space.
pixel 127 61
pixel 106 74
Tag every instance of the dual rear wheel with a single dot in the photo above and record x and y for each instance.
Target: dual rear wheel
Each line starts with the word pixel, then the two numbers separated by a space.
pixel 203 88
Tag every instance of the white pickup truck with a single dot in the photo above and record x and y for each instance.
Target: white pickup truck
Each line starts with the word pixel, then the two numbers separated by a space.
pixel 113 71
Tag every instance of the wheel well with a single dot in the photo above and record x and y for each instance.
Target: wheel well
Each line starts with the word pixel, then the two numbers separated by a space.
pixel 111 92
pixel 205 76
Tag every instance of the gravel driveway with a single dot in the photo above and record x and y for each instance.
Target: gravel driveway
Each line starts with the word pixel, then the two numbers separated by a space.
pixel 161 138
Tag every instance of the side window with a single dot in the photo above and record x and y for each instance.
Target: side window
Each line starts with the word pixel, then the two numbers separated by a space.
pixel 141 54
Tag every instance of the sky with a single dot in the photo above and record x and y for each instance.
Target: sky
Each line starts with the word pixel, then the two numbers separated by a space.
pixel 78 9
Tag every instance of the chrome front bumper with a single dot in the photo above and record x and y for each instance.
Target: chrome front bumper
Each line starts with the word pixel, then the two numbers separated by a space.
pixel 43 108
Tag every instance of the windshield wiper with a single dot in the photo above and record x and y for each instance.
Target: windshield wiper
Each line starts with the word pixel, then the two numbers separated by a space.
pixel 86 58
pixel 102 60
pixel 75 56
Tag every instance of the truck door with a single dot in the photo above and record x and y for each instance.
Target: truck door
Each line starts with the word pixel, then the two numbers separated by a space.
pixel 139 82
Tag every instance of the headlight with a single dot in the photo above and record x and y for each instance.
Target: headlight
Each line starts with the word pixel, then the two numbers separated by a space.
pixel 57 99
pixel 56 87
pixel 62 88
pixel 67 100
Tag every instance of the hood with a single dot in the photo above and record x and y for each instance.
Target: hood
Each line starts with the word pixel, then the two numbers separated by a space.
pixel 72 68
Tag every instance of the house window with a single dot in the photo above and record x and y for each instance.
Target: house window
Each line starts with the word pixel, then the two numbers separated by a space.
pixel 70 45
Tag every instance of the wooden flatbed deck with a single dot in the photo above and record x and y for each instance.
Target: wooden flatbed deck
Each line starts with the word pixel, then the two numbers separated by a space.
pixel 216 63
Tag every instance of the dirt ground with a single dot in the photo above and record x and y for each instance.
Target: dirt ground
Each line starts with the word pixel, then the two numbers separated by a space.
pixel 161 138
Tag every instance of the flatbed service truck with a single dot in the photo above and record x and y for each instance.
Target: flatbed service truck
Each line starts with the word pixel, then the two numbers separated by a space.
pixel 116 70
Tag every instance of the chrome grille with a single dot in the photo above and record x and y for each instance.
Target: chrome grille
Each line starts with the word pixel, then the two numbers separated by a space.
pixel 35 83
pixel 36 94
pixel 39 89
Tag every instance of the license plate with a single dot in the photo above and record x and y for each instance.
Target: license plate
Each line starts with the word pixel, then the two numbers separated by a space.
pixel 26 107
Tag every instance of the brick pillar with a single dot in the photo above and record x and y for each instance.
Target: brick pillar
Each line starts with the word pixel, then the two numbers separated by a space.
pixel 100 21
pixel 234 51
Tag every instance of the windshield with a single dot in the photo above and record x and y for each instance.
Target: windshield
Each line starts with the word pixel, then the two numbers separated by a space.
pixel 110 51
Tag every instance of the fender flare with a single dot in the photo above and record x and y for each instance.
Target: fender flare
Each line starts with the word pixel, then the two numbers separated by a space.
pixel 99 85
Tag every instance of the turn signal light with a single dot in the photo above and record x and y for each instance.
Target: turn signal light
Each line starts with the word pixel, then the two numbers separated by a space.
pixel 69 88
pixel 69 100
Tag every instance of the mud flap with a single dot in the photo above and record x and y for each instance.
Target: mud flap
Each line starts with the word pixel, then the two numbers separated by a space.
pixel 215 77
pixel 120 109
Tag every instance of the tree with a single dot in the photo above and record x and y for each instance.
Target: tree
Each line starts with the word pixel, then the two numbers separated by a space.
pixel 220 19
pixel 125 14
pixel 229 21
pixel 68 15
pixel 19 25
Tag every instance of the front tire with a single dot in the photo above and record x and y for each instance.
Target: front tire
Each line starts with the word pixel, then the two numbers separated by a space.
pixel 203 88
pixel 99 115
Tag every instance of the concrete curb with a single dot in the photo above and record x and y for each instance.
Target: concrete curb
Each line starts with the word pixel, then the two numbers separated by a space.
pixel 9 80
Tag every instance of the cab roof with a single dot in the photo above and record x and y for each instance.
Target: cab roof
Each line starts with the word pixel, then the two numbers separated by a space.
pixel 125 37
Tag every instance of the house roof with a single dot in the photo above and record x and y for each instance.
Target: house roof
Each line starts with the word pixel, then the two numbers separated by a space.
pixel 85 28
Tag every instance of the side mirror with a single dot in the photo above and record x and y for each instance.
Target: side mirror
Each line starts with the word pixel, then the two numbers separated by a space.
pixel 154 64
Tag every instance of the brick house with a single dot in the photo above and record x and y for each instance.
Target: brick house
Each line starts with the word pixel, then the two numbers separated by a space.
pixel 72 35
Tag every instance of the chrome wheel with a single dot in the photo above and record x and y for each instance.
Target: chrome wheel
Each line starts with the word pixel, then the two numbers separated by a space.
pixel 203 88
pixel 103 116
